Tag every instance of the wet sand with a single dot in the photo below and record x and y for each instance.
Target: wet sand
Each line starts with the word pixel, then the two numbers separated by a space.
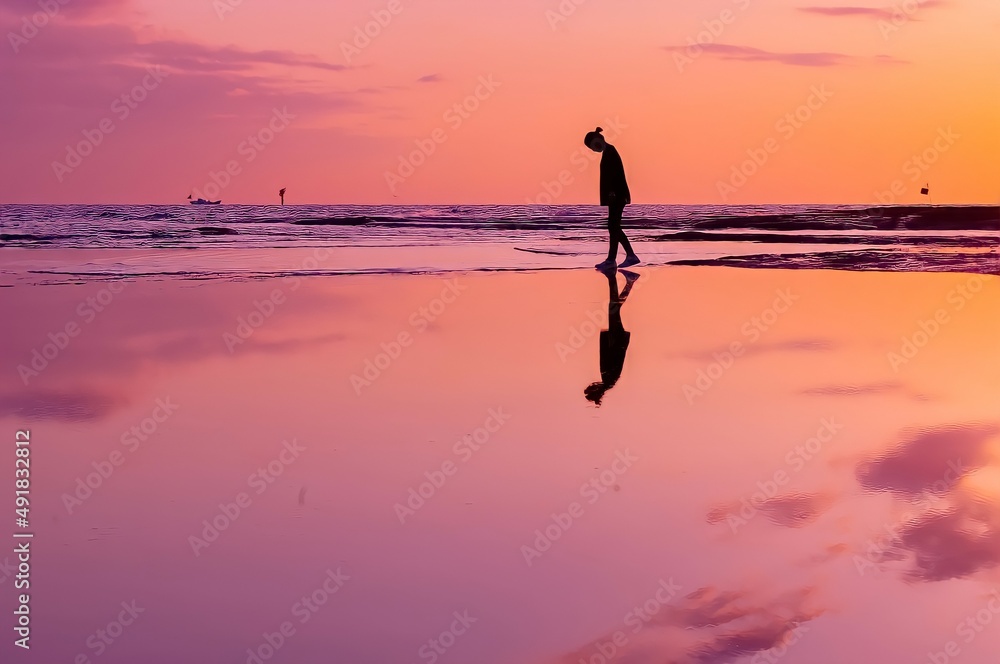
pixel 794 465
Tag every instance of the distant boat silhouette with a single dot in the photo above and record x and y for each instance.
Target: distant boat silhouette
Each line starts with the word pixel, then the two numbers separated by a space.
pixel 202 201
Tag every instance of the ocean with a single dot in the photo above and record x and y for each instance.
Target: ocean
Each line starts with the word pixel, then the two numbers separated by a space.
pixel 225 241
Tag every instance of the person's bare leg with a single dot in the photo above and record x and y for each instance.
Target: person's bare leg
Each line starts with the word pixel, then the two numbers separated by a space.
pixel 630 257
pixel 613 248
pixel 614 236
pixel 630 278
pixel 626 245
pixel 612 286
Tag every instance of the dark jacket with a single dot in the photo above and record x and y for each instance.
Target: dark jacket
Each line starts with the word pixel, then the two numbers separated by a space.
pixel 614 187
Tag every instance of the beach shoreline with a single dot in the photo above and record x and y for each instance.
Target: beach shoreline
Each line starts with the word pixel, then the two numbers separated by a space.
pixel 467 390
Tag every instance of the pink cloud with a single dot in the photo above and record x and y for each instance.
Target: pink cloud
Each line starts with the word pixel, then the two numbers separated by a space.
pixel 76 9
pixel 712 626
pixel 751 54
pixel 882 13
pixel 931 460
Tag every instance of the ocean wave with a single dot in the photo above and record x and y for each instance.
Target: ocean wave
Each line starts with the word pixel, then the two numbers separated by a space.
pixel 137 226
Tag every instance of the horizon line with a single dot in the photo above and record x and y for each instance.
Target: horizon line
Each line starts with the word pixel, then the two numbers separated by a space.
pixel 527 205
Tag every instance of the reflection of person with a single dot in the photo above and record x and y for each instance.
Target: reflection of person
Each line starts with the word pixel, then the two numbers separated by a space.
pixel 614 340
pixel 615 196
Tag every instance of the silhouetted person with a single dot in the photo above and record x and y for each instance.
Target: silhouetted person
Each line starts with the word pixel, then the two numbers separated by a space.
pixel 282 194
pixel 614 340
pixel 615 196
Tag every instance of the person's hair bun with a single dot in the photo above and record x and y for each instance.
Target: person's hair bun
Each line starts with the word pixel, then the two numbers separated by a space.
pixel 593 136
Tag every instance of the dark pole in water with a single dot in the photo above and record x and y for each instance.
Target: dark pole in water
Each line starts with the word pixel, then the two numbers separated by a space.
pixel 282 194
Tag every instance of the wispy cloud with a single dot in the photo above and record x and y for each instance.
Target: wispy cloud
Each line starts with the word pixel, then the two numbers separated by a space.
pixel 713 626
pixel 817 59
pixel 919 463
pixel 430 78
pixel 92 8
pixel 76 45
pixel 199 57
pixel 806 345
pixel 863 390
pixel 84 66
pixel 59 405
pixel 882 13
pixel 868 12
pixel 791 511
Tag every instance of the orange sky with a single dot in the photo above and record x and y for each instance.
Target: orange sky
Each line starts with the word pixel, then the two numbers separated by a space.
pixel 347 117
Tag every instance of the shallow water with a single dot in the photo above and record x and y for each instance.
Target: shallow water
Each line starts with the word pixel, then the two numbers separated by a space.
pixel 71 243
pixel 793 465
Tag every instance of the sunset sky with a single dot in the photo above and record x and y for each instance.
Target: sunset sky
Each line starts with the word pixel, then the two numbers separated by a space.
pixel 344 115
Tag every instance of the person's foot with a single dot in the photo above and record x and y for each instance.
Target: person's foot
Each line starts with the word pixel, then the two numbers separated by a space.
pixel 630 261
pixel 629 276
pixel 609 264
